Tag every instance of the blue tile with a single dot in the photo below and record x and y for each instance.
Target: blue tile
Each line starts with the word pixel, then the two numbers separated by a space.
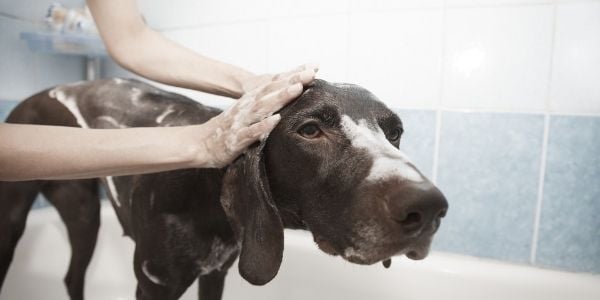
pixel 418 139
pixel 52 70
pixel 109 68
pixel 569 236
pixel 6 106
pixel 17 68
pixel 489 166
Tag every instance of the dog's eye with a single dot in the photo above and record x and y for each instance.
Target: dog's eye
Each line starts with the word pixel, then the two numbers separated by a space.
pixel 394 135
pixel 310 131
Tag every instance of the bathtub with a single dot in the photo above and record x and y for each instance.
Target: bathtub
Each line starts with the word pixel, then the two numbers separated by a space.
pixel 41 260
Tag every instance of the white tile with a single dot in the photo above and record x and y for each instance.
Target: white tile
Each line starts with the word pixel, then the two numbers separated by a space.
pixel 359 6
pixel 184 13
pixel 575 85
pixel 397 56
pixel 291 8
pixel 498 58
pixel 316 39
pixel 241 44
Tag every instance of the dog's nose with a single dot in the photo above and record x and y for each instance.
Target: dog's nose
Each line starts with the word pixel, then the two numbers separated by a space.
pixel 418 207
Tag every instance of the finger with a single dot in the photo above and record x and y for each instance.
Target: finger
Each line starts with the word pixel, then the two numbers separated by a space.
pixel 304 77
pixel 304 67
pixel 260 130
pixel 277 100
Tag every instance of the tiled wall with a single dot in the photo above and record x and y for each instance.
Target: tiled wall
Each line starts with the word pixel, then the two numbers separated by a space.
pixel 22 72
pixel 500 100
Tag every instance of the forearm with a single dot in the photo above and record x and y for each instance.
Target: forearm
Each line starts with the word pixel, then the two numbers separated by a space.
pixel 146 52
pixel 29 152
pixel 162 60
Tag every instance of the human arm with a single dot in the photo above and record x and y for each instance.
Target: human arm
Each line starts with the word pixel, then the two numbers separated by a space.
pixel 30 152
pixel 146 52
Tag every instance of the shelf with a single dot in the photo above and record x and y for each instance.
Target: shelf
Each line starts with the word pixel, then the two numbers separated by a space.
pixel 69 44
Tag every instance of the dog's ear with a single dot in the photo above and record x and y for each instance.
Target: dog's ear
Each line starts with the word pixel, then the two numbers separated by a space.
pixel 247 201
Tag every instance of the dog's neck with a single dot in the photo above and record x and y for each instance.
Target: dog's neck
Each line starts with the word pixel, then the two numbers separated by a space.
pixel 291 219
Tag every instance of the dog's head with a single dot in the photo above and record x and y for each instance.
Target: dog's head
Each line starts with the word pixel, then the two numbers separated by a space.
pixel 331 166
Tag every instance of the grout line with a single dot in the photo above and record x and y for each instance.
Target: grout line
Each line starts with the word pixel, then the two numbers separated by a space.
pixel 438 111
pixel 540 192
pixel 544 154
pixel 501 5
pixel 436 147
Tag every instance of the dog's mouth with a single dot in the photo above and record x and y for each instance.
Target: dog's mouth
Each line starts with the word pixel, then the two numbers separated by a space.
pixel 416 250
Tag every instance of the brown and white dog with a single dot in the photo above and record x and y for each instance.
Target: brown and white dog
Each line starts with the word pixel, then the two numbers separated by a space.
pixel 332 166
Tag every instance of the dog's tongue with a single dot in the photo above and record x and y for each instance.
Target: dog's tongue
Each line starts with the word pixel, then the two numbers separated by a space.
pixel 387 263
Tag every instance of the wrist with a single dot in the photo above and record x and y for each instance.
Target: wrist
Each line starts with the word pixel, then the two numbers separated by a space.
pixel 240 77
pixel 193 145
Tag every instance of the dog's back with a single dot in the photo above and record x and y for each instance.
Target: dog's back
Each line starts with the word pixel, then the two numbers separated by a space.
pixel 159 211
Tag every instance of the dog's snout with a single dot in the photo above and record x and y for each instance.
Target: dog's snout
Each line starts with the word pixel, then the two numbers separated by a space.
pixel 418 208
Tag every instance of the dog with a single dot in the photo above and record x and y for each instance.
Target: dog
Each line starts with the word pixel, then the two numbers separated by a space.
pixel 331 166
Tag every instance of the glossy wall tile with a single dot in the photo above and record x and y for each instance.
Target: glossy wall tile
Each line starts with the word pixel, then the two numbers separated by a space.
pixel 402 65
pixel 569 234
pixel 489 165
pixel 576 63
pixel 498 58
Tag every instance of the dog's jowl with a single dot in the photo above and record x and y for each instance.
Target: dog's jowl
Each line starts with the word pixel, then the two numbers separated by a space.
pixel 333 166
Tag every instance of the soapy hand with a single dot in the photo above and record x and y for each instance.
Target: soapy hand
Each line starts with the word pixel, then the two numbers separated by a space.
pixel 251 117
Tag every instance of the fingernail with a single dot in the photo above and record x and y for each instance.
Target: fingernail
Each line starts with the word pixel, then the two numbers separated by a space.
pixel 294 88
pixel 307 75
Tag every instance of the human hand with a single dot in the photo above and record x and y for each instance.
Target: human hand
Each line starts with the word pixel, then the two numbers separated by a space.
pixel 254 81
pixel 251 118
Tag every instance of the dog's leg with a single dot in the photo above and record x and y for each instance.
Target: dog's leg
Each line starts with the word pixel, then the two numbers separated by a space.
pixel 15 201
pixel 158 280
pixel 78 204
pixel 147 288
pixel 210 286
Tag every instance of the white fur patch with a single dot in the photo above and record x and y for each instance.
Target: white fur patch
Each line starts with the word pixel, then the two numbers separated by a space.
pixel 152 278
pixel 388 161
pixel 112 121
pixel 164 114
pixel 342 84
pixel 219 254
pixel 118 80
pixel 353 253
pixel 70 102
pixel 113 190
pixel 135 96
